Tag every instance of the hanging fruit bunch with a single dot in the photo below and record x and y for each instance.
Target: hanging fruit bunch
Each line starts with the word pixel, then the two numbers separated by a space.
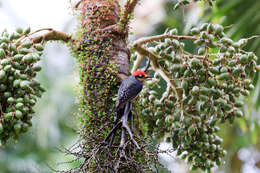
pixel 204 88
pixel 19 88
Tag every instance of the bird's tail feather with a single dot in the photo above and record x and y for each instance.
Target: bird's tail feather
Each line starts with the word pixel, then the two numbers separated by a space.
pixel 119 114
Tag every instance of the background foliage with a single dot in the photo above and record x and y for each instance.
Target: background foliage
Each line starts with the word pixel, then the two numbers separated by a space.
pixel 53 123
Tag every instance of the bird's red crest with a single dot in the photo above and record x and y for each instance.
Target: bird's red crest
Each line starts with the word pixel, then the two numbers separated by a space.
pixel 137 73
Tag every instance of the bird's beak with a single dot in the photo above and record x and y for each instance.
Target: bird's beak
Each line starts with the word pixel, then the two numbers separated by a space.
pixel 148 76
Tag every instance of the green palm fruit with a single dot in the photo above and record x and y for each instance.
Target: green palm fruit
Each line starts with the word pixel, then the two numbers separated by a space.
pixel 12 47
pixel 176 43
pixel 4 46
pixel 191 130
pixel 238 113
pixel 201 51
pixel 224 76
pixel 173 31
pixel 5 62
pixel 194 31
pixel 25 84
pixel 24 51
pixel 2 87
pixel 19 30
pixel 19 106
pixel 195 90
pixel 17 128
pixel 39 47
pixel 184 84
pixel 27 30
pixel 8 116
pixel 219 29
pixel 10 100
pixel 187 121
pixel 203 27
pixel 28 58
pixel 211 28
pixel 212 82
pixel 195 62
pixel 198 42
pixel 203 97
pixel 7 94
pixel 2 74
pixel 7 68
pixel 243 59
pixel 214 70
pixel 18 114
pixel 2 53
pixel 27 44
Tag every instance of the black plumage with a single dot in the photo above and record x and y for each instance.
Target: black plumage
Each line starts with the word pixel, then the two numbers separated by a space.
pixel 129 89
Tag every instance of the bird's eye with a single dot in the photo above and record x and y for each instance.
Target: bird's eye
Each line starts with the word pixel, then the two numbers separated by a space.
pixel 140 76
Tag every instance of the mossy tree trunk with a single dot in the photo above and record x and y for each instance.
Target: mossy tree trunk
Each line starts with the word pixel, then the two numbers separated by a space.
pixel 103 57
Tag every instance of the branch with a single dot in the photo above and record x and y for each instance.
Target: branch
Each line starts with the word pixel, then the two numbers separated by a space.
pixel 52 35
pixel 153 58
pixel 125 17
pixel 137 62
pixel 253 37
pixel 144 40
pixel 146 67
pixel 160 37
pixel 166 93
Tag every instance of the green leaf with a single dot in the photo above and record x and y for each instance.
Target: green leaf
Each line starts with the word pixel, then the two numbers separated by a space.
pixel 242 124
pixel 254 132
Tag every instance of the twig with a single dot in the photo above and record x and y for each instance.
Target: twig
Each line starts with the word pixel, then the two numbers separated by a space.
pixel 144 40
pixel 49 36
pixel 113 130
pixel 53 35
pixel 252 37
pixel 18 42
pixel 166 93
pixel 153 58
pixel 39 30
pixel 229 26
pixel 147 65
pixel 77 4
pixel 137 62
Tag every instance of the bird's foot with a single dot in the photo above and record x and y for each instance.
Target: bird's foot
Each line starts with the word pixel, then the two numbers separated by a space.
pixel 125 125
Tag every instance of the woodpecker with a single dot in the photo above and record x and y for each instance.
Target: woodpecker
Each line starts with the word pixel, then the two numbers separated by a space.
pixel 128 90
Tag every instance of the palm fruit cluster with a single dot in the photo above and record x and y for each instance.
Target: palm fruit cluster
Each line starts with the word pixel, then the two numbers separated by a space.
pixel 18 87
pixel 209 87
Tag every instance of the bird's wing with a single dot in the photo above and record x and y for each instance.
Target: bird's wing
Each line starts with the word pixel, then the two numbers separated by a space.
pixel 128 90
